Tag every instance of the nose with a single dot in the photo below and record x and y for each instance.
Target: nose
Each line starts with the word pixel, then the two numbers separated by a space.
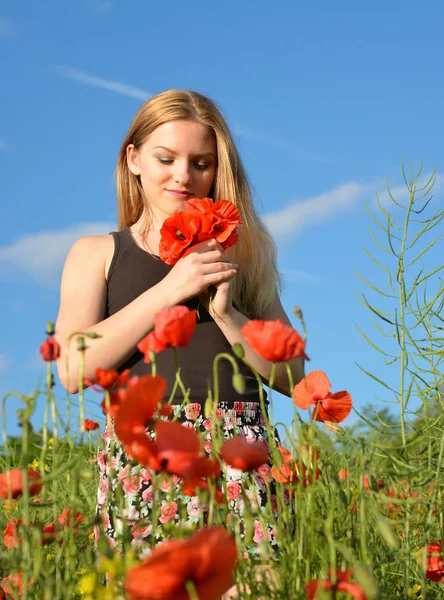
pixel 182 173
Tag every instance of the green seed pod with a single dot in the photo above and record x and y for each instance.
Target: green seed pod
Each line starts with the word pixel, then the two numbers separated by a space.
pixel 238 350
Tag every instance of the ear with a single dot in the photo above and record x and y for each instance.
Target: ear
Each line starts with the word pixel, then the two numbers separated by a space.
pixel 132 159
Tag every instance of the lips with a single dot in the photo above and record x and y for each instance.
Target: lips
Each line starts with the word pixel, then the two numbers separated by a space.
pixel 180 194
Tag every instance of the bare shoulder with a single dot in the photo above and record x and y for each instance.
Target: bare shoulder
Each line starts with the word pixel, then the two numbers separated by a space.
pixel 92 251
pixel 83 287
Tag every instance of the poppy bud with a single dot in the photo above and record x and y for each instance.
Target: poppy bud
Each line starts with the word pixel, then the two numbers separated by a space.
pixel 238 350
pixel 238 383
pixel 297 312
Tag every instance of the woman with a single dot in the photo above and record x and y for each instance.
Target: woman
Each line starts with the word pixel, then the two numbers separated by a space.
pixel 178 147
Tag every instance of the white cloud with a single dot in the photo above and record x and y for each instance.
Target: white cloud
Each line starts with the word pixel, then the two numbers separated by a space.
pixel 309 212
pixel 106 84
pixel 41 255
pixel 4 362
pixel 3 145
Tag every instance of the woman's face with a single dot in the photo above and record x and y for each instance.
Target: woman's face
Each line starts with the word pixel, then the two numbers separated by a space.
pixel 177 162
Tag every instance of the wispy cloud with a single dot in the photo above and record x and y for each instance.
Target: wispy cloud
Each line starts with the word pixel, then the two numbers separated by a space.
pixel 40 256
pixel 3 145
pixel 309 212
pixel 277 142
pixel 104 6
pixel 106 84
pixel 295 276
pixel 7 29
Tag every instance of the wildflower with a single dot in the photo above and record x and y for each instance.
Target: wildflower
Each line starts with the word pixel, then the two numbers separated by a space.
pixel 108 379
pixel 243 455
pixel 173 328
pixel 11 539
pixel 48 534
pixel 11 483
pixel 201 220
pixel 89 425
pixel 435 562
pixel 137 409
pixel 50 349
pixel 207 559
pixel 313 389
pixel 291 471
pixel 13 585
pixel 35 464
pixel 274 341
pixel 225 215
pixel 67 522
pixel 342 585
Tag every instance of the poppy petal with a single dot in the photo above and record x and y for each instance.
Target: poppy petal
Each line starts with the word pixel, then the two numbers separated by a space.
pixel 335 407
pixel 314 386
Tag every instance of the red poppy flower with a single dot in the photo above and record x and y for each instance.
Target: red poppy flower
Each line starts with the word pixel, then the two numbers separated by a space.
pixel 11 539
pixel 68 522
pixel 138 407
pixel 273 340
pixel 107 379
pixel 49 533
pixel 11 482
pixel 177 447
pixel 225 216
pixel 50 349
pixel 207 558
pixel 342 585
pixel 192 489
pixel 313 389
pixel 181 231
pixel 89 425
pixel 244 455
pixel 12 585
pixel 304 469
pixel 173 328
pixel 435 562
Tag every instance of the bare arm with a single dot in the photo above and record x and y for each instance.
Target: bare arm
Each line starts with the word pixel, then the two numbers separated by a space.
pixel 231 328
pixel 83 303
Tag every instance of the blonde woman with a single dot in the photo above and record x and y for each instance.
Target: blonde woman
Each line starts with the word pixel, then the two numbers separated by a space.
pixel 178 147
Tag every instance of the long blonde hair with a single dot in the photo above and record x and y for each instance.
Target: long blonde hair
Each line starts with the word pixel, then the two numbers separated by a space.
pixel 258 280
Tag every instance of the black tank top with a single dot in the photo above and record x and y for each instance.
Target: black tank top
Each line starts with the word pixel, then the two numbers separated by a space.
pixel 132 272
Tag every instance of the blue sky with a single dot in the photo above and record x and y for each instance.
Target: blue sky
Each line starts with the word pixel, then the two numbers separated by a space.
pixel 323 100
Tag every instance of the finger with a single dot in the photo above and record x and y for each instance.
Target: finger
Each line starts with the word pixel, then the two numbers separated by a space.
pixel 214 256
pixel 220 277
pixel 217 267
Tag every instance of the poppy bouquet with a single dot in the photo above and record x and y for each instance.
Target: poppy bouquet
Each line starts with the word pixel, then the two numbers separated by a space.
pixel 201 220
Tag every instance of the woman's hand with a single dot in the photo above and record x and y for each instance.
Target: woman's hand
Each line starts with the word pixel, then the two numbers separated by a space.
pixel 218 300
pixel 202 266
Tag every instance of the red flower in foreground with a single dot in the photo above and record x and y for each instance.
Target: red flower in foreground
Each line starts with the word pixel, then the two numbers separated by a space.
pixel 89 425
pixel 11 482
pixel 274 341
pixel 244 455
pixel 12 585
pixel 50 349
pixel 313 389
pixel 207 558
pixel 138 406
pixel 173 328
pixel 342 585
pixel 435 562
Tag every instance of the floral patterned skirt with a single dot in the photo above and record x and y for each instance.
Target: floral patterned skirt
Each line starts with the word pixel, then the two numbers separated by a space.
pixel 141 508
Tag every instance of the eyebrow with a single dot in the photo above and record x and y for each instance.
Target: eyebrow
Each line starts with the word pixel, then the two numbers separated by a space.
pixel 196 155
